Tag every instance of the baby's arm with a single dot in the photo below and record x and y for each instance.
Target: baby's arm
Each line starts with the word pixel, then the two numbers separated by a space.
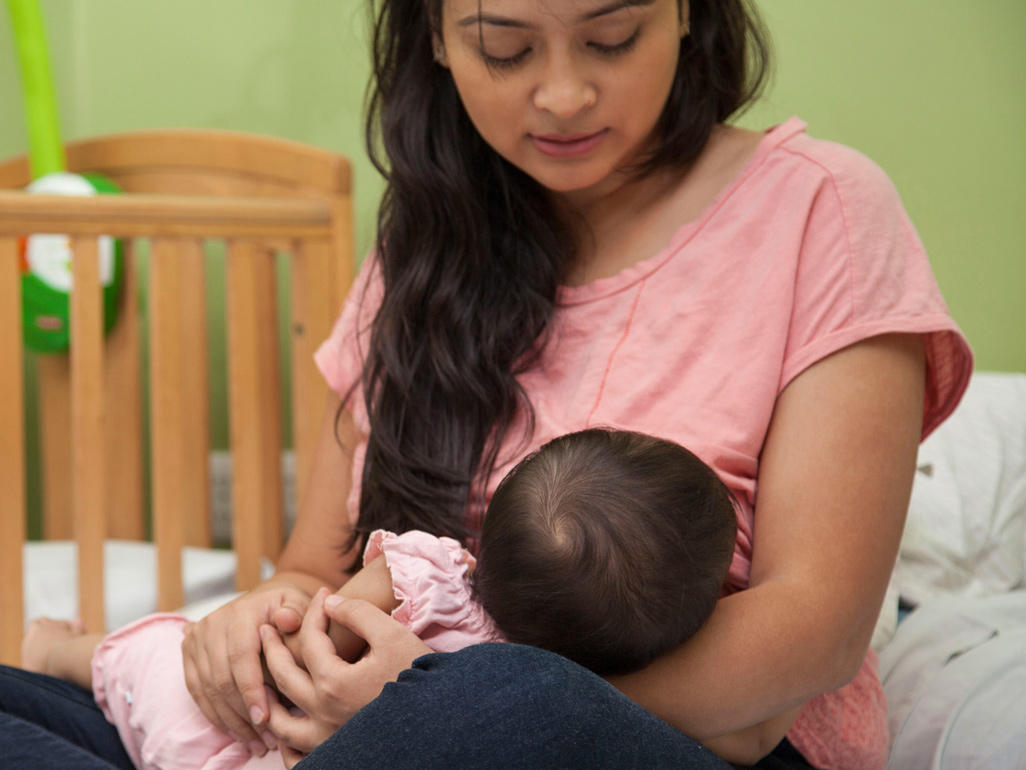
pixel 373 583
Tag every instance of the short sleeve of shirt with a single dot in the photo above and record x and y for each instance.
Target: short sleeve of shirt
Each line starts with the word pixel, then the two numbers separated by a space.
pixel 863 271
pixel 340 357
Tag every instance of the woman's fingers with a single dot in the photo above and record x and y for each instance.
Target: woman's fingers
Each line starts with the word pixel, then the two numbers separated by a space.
pixel 196 668
pixel 314 643
pixel 291 757
pixel 292 681
pixel 222 691
pixel 246 693
pixel 387 639
pixel 297 734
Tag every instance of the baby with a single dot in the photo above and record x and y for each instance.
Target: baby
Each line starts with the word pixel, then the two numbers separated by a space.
pixel 607 547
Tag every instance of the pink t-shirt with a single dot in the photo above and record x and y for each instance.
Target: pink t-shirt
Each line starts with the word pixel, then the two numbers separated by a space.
pixel 139 681
pixel 808 251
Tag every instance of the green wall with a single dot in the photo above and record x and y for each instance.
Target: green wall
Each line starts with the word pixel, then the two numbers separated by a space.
pixel 932 90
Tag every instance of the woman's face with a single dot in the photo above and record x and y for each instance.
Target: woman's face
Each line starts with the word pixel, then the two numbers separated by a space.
pixel 569 91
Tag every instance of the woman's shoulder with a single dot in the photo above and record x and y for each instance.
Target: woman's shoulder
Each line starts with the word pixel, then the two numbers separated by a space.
pixel 849 169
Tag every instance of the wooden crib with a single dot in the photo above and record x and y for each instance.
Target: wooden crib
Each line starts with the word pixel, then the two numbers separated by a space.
pixel 268 199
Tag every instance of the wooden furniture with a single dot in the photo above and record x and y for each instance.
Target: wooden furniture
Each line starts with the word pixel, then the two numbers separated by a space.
pixel 264 197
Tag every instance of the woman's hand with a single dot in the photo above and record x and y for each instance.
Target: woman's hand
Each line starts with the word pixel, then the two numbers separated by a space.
pixel 221 655
pixel 331 690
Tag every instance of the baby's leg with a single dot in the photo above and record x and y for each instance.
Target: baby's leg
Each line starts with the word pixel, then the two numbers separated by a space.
pixel 60 648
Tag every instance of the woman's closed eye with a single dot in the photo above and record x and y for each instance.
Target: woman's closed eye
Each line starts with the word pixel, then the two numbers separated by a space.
pixel 615 49
pixel 600 47
pixel 505 62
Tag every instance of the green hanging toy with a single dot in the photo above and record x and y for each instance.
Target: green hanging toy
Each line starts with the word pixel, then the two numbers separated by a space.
pixel 46 259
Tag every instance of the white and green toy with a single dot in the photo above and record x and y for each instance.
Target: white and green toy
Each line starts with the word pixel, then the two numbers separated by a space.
pixel 46 259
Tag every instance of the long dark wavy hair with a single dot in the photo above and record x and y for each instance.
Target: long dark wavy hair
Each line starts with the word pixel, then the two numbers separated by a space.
pixel 471 254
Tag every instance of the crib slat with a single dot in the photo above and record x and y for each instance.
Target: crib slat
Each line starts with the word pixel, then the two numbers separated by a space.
pixel 167 409
pixel 195 426
pixel 53 385
pixel 88 500
pixel 12 455
pixel 124 441
pixel 313 310
pixel 253 391
pixel 271 516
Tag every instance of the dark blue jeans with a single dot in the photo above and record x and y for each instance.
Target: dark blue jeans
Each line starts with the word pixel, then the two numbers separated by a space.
pixel 51 724
pixel 506 706
pixel 492 705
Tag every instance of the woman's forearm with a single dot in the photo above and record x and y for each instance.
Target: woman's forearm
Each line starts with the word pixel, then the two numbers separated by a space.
pixel 761 653
pixel 748 746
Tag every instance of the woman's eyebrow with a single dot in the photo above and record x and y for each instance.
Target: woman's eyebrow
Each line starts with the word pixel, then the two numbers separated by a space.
pixel 503 21
pixel 613 7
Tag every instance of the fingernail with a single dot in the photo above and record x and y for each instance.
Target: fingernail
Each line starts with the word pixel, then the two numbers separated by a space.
pixel 269 741
pixel 333 601
pixel 256 715
pixel 257 748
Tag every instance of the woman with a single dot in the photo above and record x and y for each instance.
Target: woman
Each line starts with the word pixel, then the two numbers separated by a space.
pixel 572 236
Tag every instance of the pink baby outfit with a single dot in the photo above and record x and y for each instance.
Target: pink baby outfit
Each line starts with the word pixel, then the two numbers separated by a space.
pixel 139 682
pixel 808 251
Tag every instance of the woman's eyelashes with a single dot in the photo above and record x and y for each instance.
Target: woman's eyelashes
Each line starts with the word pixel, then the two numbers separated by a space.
pixel 616 49
pixel 608 50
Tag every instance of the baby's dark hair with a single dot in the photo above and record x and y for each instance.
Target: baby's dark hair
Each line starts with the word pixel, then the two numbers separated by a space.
pixel 608 547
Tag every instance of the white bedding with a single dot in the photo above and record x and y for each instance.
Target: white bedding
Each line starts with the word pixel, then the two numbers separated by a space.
pixel 954 671
pixel 130 584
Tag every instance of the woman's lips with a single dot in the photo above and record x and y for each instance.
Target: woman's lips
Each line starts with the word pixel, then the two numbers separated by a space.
pixel 567 145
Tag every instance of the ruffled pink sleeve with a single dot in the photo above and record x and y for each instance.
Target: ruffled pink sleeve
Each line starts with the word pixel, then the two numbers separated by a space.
pixel 429 577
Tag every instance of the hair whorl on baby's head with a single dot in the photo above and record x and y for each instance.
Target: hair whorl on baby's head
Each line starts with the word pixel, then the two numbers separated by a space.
pixel 608 547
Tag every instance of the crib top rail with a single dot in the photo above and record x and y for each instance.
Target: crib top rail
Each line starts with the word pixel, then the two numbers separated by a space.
pixel 155 215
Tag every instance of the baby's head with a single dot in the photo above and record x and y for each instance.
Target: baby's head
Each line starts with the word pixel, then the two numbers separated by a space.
pixel 607 547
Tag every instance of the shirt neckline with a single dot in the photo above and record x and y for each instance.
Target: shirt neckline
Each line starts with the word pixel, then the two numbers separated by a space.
pixel 602 287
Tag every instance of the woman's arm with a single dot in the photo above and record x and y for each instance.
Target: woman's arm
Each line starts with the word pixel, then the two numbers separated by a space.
pixel 750 744
pixel 221 653
pixel 834 481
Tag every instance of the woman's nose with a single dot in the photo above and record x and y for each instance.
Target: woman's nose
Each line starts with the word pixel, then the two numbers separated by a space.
pixel 564 91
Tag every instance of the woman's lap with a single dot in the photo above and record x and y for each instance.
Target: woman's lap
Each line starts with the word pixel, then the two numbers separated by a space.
pixel 54 724
pixel 492 705
pixel 503 705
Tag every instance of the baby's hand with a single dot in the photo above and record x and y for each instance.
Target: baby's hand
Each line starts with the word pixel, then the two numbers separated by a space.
pixel 292 645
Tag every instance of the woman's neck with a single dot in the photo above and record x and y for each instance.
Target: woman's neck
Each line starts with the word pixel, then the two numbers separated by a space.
pixel 632 219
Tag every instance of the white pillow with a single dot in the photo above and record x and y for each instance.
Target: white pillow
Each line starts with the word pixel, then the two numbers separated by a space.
pixel 966 528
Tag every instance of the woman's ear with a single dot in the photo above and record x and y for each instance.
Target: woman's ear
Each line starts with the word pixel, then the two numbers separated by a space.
pixel 438 50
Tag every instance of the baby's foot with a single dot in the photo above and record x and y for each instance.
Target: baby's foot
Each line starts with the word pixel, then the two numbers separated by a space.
pixel 42 636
